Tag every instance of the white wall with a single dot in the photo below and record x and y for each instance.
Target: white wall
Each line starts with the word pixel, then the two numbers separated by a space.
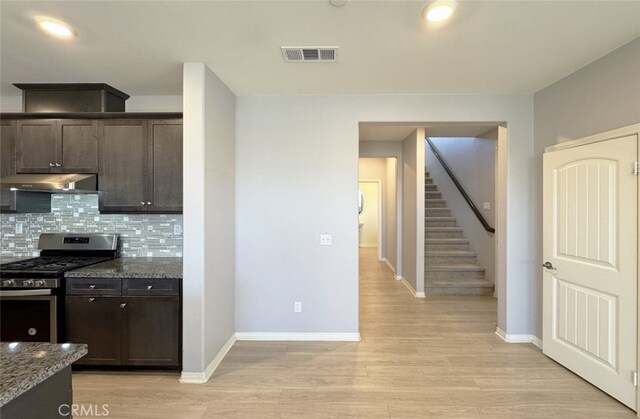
pixel 600 97
pixel 473 161
pixel 133 104
pixel 371 215
pixel 374 169
pixel 209 217
pixel 413 210
pixel 297 177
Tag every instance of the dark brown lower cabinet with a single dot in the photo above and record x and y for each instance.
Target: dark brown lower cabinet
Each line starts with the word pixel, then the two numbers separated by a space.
pixel 125 330
pixel 152 334
pixel 96 321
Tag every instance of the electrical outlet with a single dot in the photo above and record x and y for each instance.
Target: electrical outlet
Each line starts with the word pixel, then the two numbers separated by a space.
pixel 326 240
pixel 486 206
pixel 19 228
pixel 297 307
pixel 177 229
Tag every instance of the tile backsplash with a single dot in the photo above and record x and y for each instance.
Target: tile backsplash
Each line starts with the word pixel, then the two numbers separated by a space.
pixel 141 235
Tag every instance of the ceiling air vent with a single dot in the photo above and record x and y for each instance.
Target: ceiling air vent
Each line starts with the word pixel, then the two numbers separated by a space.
pixel 310 54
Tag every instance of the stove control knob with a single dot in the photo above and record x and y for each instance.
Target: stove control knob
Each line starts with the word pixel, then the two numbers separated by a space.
pixel 39 283
pixel 8 283
pixel 27 283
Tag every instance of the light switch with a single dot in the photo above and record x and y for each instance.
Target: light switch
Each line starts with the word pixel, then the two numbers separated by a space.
pixel 486 206
pixel 326 240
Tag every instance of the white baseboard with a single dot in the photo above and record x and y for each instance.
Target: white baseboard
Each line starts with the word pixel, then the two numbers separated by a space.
pixel 347 337
pixel 519 338
pixel 393 268
pixel 410 288
pixel 203 377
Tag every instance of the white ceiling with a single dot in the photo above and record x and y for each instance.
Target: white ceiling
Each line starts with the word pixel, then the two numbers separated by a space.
pixel 497 47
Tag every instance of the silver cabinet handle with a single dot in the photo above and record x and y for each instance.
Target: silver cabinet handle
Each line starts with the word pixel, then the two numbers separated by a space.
pixel 149 287
pixel 51 164
pixel 123 305
pixel 148 202
pixel 58 165
pixel 91 300
pixel 92 286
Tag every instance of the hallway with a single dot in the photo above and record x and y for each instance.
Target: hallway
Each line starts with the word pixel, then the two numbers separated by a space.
pixel 434 357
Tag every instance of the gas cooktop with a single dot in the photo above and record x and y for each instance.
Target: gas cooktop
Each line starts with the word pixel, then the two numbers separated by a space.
pixel 59 253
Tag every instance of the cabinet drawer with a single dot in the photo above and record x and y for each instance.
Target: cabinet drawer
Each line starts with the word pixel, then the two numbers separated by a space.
pixel 93 286
pixel 151 286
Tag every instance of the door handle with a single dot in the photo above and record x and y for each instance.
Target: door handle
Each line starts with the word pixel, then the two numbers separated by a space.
pixel 123 305
pixel 548 265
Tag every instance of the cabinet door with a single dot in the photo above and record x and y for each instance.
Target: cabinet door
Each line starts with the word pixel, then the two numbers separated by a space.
pixel 78 151
pixel 8 148
pixel 123 166
pixel 165 159
pixel 152 331
pixel 96 321
pixel 36 146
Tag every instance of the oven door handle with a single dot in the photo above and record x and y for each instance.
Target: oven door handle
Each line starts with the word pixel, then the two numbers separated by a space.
pixel 24 293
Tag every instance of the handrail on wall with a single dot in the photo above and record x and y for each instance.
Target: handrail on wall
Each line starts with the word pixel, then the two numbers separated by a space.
pixel 466 197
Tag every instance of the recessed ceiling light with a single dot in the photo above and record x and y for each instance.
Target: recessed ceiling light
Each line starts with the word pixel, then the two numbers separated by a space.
pixel 439 10
pixel 55 27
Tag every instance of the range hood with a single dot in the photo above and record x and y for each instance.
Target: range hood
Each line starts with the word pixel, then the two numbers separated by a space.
pixel 32 193
pixel 74 183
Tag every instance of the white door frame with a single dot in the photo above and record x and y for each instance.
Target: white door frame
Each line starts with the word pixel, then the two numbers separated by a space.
pixel 610 135
pixel 381 215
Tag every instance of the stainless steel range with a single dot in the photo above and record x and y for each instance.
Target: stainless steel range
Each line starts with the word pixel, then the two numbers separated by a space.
pixel 32 290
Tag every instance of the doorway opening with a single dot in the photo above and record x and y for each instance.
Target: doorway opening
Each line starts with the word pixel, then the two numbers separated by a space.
pixel 377 219
pixel 406 142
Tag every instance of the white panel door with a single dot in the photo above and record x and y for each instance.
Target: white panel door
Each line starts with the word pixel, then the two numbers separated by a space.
pixel 591 253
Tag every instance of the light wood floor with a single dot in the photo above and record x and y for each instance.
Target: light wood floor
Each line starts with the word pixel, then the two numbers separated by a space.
pixel 433 357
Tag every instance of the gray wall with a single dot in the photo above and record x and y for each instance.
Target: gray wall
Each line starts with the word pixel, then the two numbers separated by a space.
pixel 600 97
pixel 133 104
pixel 141 235
pixel 297 177
pixel 390 204
pixel 209 216
pixel 473 161
pixel 410 172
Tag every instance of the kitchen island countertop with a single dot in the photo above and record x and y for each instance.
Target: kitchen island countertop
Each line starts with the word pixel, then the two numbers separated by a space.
pixel 27 364
pixel 151 267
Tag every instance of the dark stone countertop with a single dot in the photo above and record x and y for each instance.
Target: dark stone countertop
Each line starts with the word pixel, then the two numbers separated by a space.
pixel 170 268
pixel 27 364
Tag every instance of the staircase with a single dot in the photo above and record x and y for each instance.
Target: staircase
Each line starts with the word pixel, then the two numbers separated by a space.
pixel 450 267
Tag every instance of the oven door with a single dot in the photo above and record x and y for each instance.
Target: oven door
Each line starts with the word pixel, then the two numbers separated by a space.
pixel 28 316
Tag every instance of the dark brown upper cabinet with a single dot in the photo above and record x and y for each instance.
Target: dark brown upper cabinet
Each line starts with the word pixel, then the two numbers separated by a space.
pixel 140 167
pixel 7 148
pixel 165 162
pixel 57 146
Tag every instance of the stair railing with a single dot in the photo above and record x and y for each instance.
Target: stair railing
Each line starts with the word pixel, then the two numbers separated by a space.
pixel 455 181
